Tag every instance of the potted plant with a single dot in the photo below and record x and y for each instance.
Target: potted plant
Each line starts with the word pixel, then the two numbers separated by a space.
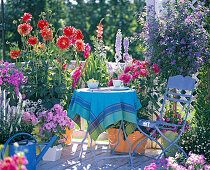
pixel 54 122
pixel 170 117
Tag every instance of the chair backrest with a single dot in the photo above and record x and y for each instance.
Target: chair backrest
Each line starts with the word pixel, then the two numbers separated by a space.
pixel 179 83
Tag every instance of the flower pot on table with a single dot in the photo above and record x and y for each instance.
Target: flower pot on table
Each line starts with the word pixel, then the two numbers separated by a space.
pixel 172 136
pixel 123 146
pixel 53 153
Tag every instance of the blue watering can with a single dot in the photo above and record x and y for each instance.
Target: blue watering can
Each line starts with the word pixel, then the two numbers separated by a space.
pixel 29 149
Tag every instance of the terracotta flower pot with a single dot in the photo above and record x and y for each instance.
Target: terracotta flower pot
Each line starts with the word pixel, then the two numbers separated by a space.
pixel 123 145
pixel 68 136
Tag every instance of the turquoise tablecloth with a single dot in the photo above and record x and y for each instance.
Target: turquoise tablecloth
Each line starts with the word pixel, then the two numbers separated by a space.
pixel 103 108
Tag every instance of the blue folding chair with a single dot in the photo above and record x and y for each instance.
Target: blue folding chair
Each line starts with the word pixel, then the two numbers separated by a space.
pixel 179 83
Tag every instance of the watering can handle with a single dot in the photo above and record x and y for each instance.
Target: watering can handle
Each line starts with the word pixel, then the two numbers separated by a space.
pixel 7 142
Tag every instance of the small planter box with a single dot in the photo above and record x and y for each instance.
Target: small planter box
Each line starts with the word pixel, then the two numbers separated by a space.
pixel 123 145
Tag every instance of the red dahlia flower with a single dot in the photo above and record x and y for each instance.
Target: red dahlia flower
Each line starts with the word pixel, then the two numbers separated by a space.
pixel 69 31
pixel 15 54
pixel 80 45
pixel 42 23
pixel 32 40
pixel 46 33
pixel 63 42
pixel 26 17
pixel 79 35
pixel 24 29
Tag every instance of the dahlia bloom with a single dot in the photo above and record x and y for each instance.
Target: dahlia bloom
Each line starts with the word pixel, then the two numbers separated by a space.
pixel 15 54
pixel 42 24
pixel 24 29
pixel 26 17
pixel 32 40
pixel 46 33
pixel 63 42
pixel 80 45
pixel 69 31
pixel 79 35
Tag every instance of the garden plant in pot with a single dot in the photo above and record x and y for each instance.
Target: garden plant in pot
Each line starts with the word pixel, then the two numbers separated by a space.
pixel 54 122
pixel 170 116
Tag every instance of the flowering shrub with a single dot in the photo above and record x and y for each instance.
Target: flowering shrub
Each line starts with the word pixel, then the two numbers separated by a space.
pixel 193 162
pixel 177 40
pixel 15 162
pixel 46 54
pixel 54 122
pixel 196 140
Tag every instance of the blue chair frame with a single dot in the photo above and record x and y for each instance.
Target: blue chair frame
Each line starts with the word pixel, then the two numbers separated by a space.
pixel 176 82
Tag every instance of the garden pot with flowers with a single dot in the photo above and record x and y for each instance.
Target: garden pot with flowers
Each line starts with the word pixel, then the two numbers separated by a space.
pixel 54 122
pixel 170 117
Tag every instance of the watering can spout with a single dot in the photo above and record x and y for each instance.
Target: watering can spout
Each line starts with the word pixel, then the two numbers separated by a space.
pixel 39 157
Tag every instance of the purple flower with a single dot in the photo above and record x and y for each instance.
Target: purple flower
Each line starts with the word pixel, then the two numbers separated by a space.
pixel 173 62
pixel 118 45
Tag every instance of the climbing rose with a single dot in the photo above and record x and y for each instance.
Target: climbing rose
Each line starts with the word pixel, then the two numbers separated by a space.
pixel 79 35
pixel 63 42
pixel 32 40
pixel 42 23
pixel 24 29
pixel 80 45
pixel 69 31
pixel 15 54
pixel 125 78
pixel 26 17
pixel 46 33
pixel 155 68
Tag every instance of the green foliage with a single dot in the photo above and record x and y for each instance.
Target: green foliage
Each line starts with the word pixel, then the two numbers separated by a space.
pixel 13 124
pixel 84 15
pixel 202 103
pixel 196 140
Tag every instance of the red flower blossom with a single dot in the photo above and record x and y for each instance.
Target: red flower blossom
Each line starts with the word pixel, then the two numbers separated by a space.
pixel 100 31
pixel 69 31
pixel 46 33
pixel 80 45
pixel 15 54
pixel 143 72
pixel 125 78
pixel 87 50
pixel 76 74
pixel 63 42
pixel 26 17
pixel 79 35
pixel 127 69
pixel 155 68
pixel 110 82
pixel 32 40
pixel 24 29
pixel 42 23
pixel 64 67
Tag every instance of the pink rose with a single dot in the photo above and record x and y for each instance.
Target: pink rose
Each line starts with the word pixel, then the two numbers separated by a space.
pixel 125 78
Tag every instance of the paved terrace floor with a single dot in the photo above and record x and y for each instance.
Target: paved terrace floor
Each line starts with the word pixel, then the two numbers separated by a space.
pixel 70 159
